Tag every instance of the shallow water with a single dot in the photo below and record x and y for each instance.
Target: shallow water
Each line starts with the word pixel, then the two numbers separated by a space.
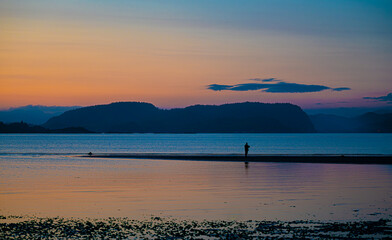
pixel 40 176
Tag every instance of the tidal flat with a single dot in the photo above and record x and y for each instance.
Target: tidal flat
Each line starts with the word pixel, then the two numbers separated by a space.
pixel 47 191
pixel 22 227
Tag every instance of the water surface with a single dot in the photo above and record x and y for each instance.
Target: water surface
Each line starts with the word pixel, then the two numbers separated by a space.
pixel 40 175
pixel 367 143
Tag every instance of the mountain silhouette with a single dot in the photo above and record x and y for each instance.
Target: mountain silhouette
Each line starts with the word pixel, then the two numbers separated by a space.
pixel 139 117
pixel 22 127
pixel 348 112
pixel 32 114
pixel 370 122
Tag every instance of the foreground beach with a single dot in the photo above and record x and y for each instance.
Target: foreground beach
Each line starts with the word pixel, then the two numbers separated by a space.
pixel 290 158
pixel 15 227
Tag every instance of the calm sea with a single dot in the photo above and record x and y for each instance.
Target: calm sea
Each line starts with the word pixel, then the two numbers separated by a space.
pixel 197 143
pixel 42 175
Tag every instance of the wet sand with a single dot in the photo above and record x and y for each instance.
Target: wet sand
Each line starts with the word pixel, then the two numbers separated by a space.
pixel 15 227
pixel 301 158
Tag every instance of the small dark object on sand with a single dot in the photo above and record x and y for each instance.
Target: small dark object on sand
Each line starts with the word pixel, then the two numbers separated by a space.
pixel 90 154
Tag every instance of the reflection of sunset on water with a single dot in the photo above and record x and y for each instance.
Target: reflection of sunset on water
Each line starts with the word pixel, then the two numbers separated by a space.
pixel 75 187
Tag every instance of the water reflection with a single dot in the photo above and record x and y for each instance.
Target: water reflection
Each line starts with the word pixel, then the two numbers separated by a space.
pixel 80 187
pixel 246 168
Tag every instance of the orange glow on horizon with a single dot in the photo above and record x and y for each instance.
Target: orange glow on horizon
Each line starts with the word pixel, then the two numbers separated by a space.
pixel 58 60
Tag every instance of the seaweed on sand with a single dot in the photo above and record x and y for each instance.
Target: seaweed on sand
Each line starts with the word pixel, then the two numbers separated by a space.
pixel 166 228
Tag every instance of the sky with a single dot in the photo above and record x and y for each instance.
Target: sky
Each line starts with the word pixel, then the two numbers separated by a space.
pixel 316 54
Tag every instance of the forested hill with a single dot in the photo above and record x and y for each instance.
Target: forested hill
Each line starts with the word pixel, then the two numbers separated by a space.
pixel 22 127
pixel 366 123
pixel 138 117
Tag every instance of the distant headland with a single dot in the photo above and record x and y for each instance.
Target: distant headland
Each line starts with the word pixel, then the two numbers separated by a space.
pixel 22 127
pixel 141 117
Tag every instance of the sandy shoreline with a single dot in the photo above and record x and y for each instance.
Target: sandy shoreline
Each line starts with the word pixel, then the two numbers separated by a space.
pixel 292 158
pixel 160 228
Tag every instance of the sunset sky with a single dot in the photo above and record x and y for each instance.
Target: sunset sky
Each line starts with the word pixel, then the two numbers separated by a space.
pixel 316 54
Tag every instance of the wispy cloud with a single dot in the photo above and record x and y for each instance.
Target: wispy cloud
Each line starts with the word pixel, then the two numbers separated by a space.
pixel 248 87
pixel 283 87
pixel 219 87
pixel 341 89
pixel 265 80
pixel 273 85
pixel 386 98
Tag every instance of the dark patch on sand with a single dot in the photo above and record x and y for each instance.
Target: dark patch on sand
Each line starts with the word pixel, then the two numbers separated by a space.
pixel 162 228
pixel 287 158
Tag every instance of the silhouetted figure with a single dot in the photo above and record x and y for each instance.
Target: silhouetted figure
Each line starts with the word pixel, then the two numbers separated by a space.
pixel 246 146
pixel 90 154
pixel 246 164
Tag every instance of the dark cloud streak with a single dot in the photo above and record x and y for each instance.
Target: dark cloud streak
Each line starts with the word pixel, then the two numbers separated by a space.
pixel 341 89
pixel 386 98
pixel 218 87
pixel 273 85
pixel 248 87
pixel 283 87
pixel 265 80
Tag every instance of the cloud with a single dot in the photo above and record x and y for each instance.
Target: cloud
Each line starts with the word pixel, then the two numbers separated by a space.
pixel 248 87
pixel 283 87
pixel 341 89
pixel 387 98
pixel 273 85
pixel 218 87
pixel 265 80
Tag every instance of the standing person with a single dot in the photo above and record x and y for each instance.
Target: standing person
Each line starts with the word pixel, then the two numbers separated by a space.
pixel 246 146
